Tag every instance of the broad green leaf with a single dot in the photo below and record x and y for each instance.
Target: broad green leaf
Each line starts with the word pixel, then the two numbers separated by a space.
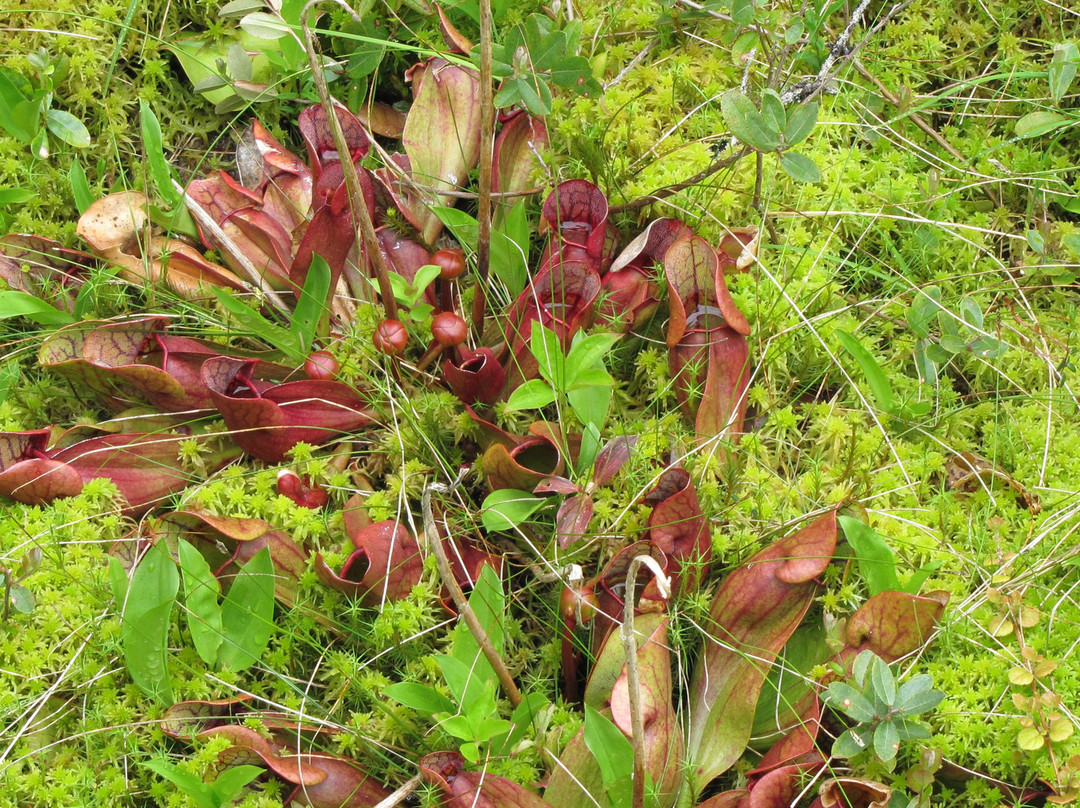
pixel 1030 739
pixel 68 128
pixel 746 123
pixel 153 147
pixel 909 730
pixel 532 395
pixel 419 697
pixel 800 123
pixel 247 613
pixel 875 376
pixel 525 715
pixel 590 404
pixel 613 753
pixel 505 509
pixel 238 62
pixel 147 615
pixel 800 167
pixel 873 555
pixel 544 344
pixel 508 258
pixel 1039 123
pixel 201 591
pixel 488 604
pixel 591 377
pixel 239 8
pixel 311 309
pixel 21 304
pixel 588 352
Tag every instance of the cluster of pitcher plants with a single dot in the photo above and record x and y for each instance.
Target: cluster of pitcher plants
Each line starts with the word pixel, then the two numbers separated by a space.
pixel 317 245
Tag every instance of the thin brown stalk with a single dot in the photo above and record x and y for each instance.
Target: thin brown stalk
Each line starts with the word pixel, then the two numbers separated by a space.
pixel 461 603
pixel 361 215
pixel 487 141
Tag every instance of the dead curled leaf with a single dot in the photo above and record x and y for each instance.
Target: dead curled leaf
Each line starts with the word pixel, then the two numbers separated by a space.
pixel 968 471
pixel 117 228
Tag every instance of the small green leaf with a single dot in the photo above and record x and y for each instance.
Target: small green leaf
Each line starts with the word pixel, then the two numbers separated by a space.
pixel 916 695
pixel 910 730
pixel 886 741
pixel 153 147
pixel 746 123
pixel 262 328
pixel 186 781
pixel 873 554
pixel 875 376
pixel 264 26
pixel 742 11
pixel 772 111
pixel 1030 739
pixel 1062 69
pixel 311 312
pixel 850 702
pixel 882 682
pixel 22 599
pixel 800 167
pixel 419 697
pixel 247 613
pixel 794 31
pixel 80 187
pixel 849 744
pixel 1036 241
pixel 68 128
pixel 231 780
pixel 800 123
pixel 505 509
pixel 1039 123
pixel 971 312
pixel 532 395
pixel 9 378
pixel 588 353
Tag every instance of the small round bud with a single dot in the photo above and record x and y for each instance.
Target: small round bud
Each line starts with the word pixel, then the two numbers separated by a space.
pixel 321 366
pixel 451 262
pixel 391 337
pixel 448 329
